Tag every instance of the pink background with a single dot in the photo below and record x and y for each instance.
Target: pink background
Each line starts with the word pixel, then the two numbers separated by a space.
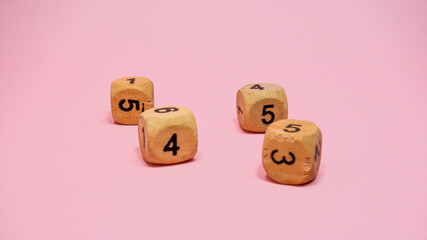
pixel 355 68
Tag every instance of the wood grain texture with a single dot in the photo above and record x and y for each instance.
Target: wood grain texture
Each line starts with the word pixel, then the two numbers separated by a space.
pixel 260 104
pixel 163 130
pixel 292 151
pixel 130 96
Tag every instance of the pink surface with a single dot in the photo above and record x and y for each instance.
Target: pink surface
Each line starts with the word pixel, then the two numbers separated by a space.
pixel 355 68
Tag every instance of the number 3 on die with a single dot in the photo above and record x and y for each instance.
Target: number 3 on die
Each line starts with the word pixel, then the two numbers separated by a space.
pixel 292 151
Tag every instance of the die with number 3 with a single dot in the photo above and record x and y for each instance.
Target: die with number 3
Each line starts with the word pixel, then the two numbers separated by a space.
pixel 291 151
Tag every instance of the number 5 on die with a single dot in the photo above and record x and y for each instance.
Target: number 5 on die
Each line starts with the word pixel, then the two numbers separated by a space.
pixel 259 105
pixel 129 98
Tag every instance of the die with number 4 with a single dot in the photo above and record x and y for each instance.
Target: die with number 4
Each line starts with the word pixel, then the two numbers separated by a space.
pixel 129 98
pixel 167 135
pixel 259 105
pixel 291 151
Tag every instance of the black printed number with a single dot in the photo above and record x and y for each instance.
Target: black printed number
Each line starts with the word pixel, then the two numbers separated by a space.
pixel 166 110
pixel 131 80
pixel 283 158
pixel 143 136
pixel 318 150
pixel 239 109
pixel 257 86
pixel 292 128
pixel 172 145
pixel 265 112
pixel 132 104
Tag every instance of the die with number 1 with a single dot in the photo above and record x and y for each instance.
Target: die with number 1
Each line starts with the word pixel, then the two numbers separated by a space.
pixel 258 105
pixel 129 98
pixel 167 135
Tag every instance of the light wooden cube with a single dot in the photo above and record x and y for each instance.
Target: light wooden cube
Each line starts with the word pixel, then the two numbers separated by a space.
pixel 129 98
pixel 260 104
pixel 167 135
pixel 291 151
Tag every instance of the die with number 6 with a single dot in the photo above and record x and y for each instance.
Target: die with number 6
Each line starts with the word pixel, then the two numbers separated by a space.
pixel 259 105
pixel 167 135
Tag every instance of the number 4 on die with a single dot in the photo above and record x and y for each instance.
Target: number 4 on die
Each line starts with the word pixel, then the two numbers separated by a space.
pixel 167 135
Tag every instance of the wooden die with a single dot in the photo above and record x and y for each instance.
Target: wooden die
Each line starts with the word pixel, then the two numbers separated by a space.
pixel 291 151
pixel 129 97
pixel 259 105
pixel 167 135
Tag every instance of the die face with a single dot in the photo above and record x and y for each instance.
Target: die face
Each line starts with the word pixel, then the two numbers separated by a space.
pixel 168 135
pixel 292 151
pixel 173 144
pixel 129 97
pixel 259 105
pixel 264 112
